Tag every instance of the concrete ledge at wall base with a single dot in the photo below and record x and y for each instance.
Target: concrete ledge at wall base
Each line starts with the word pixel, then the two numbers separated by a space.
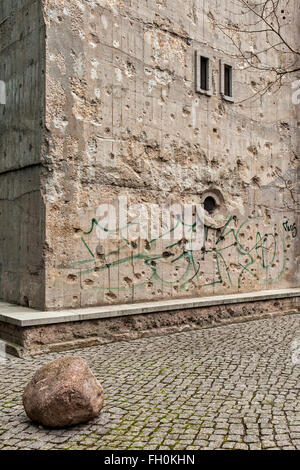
pixel 24 316
pixel 26 331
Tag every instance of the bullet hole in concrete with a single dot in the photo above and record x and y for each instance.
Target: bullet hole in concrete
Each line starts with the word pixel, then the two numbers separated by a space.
pixel 253 149
pixel 128 281
pixel 167 254
pixel 256 180
pixel 111 295
pixel 100 251
pixel 72 277
pixel 134 244
pixel 210 204
pixel 89 282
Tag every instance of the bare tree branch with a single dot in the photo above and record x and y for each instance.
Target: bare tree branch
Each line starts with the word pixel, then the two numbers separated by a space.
pixel 270 21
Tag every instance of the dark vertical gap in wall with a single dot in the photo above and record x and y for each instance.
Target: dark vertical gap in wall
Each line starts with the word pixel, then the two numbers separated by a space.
pixel 204 73
pixel 228 80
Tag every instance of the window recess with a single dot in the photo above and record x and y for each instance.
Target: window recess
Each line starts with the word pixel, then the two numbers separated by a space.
pixel 226 81
pixel 203 76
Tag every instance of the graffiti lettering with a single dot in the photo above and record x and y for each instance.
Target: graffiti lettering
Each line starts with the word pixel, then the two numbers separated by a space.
pixel 290 228
pixel 225 258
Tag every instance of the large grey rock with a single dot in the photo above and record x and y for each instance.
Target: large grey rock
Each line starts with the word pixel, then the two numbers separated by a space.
pixel 62 393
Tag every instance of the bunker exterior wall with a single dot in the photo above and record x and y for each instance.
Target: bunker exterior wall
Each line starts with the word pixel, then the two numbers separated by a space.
pixel 22 217
pixel 124 119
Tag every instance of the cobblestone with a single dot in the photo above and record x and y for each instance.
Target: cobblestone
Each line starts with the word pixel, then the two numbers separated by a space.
pixel 229 387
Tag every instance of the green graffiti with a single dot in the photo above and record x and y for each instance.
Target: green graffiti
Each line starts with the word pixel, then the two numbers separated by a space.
pixel 262 254
pixel 149 260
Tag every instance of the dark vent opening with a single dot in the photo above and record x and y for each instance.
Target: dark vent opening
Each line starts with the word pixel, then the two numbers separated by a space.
pixel 210 204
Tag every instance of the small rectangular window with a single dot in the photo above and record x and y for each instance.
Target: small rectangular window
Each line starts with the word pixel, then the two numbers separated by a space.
pixel 204 74
pixel 228 80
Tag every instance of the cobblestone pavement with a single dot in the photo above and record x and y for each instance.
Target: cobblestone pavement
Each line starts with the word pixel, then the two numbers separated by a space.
pixel 230 387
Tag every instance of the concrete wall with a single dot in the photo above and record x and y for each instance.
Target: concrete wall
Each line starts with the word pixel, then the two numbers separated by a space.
pixel 123 119
pixel 21 122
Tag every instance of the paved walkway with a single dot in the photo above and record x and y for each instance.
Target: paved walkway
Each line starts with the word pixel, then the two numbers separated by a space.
pixel 231 387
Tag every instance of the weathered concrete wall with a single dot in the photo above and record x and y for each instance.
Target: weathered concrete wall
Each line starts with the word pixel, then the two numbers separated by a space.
pixel 22 218
pixel 124 119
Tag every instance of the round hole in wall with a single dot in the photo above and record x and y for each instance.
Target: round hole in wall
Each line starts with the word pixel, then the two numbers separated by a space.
pixel 210 204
